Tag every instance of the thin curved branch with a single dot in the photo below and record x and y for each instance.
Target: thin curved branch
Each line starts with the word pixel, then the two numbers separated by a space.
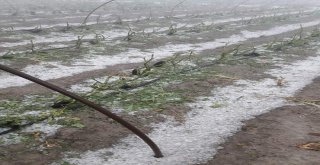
pixel 86 19
pixel 175 6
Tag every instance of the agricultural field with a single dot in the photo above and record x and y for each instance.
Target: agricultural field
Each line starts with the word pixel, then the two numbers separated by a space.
pixel 209 81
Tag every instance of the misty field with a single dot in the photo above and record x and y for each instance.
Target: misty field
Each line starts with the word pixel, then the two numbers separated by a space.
pixel 192 75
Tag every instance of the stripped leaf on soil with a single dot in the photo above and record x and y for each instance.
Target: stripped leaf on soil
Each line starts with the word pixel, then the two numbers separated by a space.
pixel 310 146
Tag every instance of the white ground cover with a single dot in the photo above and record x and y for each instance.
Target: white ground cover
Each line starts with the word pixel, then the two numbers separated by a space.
pixel 14 138
pixel 54 70
pixel 77 24
pixel 207 126
pixel 66 37
pixel 43 127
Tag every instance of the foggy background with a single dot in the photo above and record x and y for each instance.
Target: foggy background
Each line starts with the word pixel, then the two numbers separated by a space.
pixel 9 6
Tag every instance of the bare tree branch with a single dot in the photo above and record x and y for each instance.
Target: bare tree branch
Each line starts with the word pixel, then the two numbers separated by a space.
pixel 86 19
pixel 175 6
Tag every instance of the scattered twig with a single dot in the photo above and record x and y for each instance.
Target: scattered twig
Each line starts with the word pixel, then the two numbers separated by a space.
pixel 315 103
pixel 32 48
pixel 130 34
pixel 130 87
pixel 79 42
pixel 280 82
pixel 172 30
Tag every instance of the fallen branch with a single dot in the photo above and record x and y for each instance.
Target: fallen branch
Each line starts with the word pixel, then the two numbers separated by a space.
pixel 130 87
pixel 144 137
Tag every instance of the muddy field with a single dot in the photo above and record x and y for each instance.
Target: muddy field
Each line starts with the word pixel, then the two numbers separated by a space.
pixel 208 81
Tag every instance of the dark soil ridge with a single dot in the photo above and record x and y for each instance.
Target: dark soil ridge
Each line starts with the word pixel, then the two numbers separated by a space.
pixel 272 138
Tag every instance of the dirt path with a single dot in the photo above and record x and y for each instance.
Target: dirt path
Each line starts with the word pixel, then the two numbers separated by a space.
pixel 273 138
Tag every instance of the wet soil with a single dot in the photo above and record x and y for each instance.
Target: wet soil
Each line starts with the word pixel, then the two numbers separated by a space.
pixel 272 138
pixel 101 132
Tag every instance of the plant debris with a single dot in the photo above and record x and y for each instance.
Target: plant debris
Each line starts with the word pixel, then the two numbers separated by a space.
pixel 315 146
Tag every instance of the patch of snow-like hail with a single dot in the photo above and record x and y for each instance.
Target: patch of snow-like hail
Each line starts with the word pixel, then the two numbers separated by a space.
pixel 14 138
pixel 207 126
pixel 44 127
pixel 54 70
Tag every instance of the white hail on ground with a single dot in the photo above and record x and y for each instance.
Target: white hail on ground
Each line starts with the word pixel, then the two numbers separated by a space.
pixel 208 126
pixel 54 70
